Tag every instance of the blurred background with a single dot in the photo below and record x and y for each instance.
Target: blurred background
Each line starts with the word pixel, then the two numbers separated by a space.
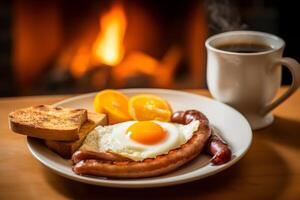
pixel 63 47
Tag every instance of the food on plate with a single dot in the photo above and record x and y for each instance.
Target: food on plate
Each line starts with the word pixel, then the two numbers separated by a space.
pixel 138 140
pixel 136 149
pixel 83 154
pixel 216 146
pixel 66 149
pixel 142 138
pixel 48 122
pixel 218 149
pixel 149 107
pixel 185 117
pixel 139 107
pixel 114 104
pixel 63 129
pixel 126 150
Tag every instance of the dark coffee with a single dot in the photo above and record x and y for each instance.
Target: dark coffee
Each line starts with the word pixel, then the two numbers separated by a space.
pixel 244 47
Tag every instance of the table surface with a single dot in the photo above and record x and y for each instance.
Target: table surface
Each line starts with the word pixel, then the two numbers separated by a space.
pixel 270 169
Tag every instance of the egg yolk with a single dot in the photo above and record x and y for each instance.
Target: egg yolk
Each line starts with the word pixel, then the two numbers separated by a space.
pixel 146 132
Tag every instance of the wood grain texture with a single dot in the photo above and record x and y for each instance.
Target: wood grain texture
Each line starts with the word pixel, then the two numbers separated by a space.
pixel 270 170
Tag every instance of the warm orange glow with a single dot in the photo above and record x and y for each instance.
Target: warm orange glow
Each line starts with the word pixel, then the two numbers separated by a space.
pixel 161 72
pixel 108 47
pixel 81 61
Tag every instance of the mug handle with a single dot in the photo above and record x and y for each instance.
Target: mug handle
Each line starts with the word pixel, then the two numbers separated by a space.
pixel 294 68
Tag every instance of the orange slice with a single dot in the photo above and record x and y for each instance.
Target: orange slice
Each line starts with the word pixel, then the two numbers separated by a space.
pixel 114 104
pixel 149 107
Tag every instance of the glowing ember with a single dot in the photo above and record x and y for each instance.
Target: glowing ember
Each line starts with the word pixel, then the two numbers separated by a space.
pixel 108 47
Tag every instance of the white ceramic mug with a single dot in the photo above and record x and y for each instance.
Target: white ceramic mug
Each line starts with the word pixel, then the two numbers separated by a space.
pixel 249 81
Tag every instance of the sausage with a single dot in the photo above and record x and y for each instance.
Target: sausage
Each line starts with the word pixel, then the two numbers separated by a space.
pixel 178 117
pixel 80 155
pixel 216 147
pixel 185 117
pixel 149 167
pixel 191 115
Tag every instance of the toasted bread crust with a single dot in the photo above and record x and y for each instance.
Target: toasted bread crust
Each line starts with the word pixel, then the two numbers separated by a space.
pixel 48 122
pixel 149 167
pixel 37 132
pixel 66 149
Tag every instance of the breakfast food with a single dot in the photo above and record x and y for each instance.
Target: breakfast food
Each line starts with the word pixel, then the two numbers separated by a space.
pixel 138 140
pixel 114 104
pixel 149 107
pixel 140 149
pixel 218 149
pixel 216 146
pixel 119 108
pixel 143 138
pixel 185 117
pixel 66 149
pixel 162 164
pixel 48 122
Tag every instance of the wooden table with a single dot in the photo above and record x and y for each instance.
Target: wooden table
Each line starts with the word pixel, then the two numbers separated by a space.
pixel 271 168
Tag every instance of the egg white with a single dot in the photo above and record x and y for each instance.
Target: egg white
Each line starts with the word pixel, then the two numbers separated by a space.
pixel 114 139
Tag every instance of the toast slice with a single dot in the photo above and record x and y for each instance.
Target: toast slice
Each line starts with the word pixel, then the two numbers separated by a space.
pixel 66 149
pixel 48 122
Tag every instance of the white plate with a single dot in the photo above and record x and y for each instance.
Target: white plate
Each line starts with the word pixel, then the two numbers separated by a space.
pixel 233 126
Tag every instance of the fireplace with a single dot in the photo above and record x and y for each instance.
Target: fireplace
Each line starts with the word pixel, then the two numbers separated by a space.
pixel 72 47
pixel 51 47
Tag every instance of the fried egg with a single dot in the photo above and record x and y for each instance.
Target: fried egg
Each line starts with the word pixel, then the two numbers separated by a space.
pixel 138 140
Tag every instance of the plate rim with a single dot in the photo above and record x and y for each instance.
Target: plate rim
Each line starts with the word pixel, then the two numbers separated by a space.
pixel 142 183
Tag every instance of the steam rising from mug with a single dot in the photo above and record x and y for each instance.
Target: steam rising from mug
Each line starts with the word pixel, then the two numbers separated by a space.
pixel 223 16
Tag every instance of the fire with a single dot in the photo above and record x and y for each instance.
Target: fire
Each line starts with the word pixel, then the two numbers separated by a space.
pixel 81 61
pixel 108 47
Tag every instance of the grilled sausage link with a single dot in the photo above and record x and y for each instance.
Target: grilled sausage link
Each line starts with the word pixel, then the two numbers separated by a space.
pixel 149 167
pixel 80 155
pixel 216 147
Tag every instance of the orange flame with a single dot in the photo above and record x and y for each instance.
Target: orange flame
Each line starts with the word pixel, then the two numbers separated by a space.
pixel 108 47
pixel 81 61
